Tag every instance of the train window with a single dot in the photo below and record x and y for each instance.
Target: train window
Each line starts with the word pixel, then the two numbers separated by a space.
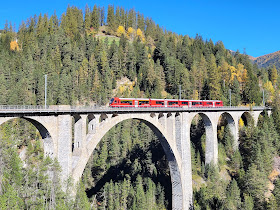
pixel 209 103
pixel 143 102
pixel 127 102
pixel 160 102
pixel 172 102
pixel 185 102
pixel 111 101
pixel 196 103
pixel 218 103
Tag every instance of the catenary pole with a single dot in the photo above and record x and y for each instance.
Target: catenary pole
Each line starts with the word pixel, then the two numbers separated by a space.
pixel 229 97
pixel 263 98
pixel 180 92
pixel 46 91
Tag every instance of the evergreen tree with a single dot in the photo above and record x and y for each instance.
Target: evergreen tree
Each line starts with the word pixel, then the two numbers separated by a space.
pixel 273 75
pixel 95 18
pixel 276 191
pixel 248 203
pixel 111 21
pixel 87 19
pixel 140 22
pixel 140 194
pixel 102 16
pixel 131 19
pixel 252 91
pixel 233 200
pixel 256 185
pixel 214 86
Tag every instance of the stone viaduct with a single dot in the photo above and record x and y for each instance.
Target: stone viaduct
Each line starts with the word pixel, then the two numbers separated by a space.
pixel 171 125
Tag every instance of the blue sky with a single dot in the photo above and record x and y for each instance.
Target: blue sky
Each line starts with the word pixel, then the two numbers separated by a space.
pixel 247 24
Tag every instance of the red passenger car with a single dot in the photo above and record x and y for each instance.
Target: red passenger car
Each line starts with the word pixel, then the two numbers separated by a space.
pixel 147 102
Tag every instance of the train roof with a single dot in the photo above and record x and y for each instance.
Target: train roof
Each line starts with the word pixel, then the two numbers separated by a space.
pixel 134 99
pixel 199 100
pixel 165 99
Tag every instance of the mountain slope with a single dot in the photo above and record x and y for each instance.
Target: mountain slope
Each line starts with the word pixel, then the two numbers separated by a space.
pixel 268 60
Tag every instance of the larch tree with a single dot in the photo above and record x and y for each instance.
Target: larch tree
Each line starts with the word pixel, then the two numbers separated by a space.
pixel 120 31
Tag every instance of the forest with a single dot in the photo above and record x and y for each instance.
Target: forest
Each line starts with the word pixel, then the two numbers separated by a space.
pixel 91 55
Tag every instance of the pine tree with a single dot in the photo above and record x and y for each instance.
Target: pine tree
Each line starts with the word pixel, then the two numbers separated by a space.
pixel 248 203
pixel 228 141
pixel 95 18
pixel 118 17
pixel 235 93
pixel 276 191
pixel 233 196
pixel 111 22
pixel 256 185
pixel 252 90
pixel 131 19
pixel 109 190
pixel 140 22
pixel 272 203
pixel 125 188
pixel 114 151
pixel 140 194
pixel 102 16
pixel 87 19
pixel 214 86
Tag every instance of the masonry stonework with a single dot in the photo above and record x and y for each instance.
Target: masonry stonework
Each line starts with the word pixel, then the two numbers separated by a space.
pixel 172 128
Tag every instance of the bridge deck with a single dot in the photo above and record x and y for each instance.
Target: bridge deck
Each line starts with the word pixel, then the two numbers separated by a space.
pixel 60 110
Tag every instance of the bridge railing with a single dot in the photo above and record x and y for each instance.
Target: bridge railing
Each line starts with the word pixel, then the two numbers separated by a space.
pixel 23 107
pixel 96 107
pixel 106 108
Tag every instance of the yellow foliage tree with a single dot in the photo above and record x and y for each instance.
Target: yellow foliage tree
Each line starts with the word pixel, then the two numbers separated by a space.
pixel 14 46
pixel 120 31
pixel 233 73
pixel 241 123
pixel 130 32
pixel 122 88
pixel 240 73
pixel 270 90
pixel 140 34
pixel 195 95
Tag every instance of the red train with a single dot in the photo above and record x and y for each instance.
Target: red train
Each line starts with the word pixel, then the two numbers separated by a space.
pixel 147 102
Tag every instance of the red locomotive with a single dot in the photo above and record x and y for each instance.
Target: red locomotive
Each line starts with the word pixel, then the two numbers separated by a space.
pixel 147 102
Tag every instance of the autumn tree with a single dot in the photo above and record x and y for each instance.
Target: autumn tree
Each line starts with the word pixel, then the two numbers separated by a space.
pixel 131 33
pixel 14 46
pixel 120 31
pixel 140 35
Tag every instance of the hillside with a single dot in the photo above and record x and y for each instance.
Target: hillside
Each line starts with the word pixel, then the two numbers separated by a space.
pixel 90 57
pixel 268 60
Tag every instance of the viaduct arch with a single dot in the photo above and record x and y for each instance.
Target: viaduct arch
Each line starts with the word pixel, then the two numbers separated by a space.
pixel 48 143
pixel 94 136
pixel 172 126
